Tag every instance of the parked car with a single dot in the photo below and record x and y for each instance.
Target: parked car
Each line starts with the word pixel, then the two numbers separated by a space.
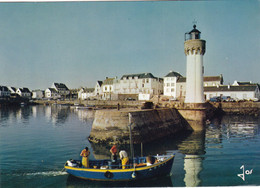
pixel 215 99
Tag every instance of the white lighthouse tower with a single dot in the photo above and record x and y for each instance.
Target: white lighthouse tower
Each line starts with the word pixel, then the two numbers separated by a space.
pixel 194 49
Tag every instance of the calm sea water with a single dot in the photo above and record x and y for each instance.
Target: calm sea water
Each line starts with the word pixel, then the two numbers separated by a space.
pixel 36 141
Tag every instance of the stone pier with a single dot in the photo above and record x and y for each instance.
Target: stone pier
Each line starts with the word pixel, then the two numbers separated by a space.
pixel 111 126
pixel 195 115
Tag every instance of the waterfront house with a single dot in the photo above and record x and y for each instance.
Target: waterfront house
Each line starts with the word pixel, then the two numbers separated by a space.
pixel 24 92
pixel 170 84
pixel 4 92
pixel 207 81
pixel 86 93
pixel 51 93
pixel 37 94
pixel 61 89
pixel 135 84
pixel 108 88
pixel 237 92
pixel 98 90
pixel 74 94
pixel 12 89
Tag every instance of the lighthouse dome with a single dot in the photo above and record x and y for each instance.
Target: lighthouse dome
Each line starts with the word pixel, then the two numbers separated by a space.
pixel 194 33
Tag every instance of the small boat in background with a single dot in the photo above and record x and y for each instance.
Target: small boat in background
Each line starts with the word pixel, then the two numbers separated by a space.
pixel 103 170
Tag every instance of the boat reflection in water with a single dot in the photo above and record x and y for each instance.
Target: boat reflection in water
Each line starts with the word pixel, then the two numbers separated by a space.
pixel 164 181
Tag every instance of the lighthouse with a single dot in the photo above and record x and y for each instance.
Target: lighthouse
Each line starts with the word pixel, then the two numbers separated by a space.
pixel 194 49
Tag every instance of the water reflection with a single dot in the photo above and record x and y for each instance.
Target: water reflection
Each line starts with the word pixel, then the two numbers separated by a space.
pixel 164 181
pixel 56 114
pixel 232 126
pixel 85 115
pixel 193 147
pixel 10 115
pixel 165 145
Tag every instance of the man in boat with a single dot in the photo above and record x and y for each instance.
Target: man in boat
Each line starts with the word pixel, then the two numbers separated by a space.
pixel 85 153
pixel 113 152
pixel 124 158
pixel 150 160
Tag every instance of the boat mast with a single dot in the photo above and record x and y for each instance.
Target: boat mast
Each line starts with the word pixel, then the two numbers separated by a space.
pixel 130 132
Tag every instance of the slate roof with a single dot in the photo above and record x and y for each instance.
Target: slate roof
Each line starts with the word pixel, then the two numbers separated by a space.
pixel 100 83
pixel 24 90
pixel 3 88
pixel 88 90
pixel 61 86
pixel 141 75
pixel 231 88
pixel 108 81
pixel 173 74
pixel 205 79
pixel 53 90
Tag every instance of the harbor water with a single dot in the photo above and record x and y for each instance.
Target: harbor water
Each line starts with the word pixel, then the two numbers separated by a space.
pixel 36 141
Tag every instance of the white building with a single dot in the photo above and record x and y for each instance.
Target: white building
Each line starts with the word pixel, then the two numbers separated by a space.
pixel 51 93
pixel 24 92
pixel 61 88
pixel 170 84
pixel 37 94
pixel 12 90
pixel 207 81
pixel 108 88
pixel 144 83
pixel 237 92
pixel 86 93
pixel 98 89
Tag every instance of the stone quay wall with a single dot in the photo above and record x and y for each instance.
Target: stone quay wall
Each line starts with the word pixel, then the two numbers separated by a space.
pixel 249 108
pixel 111 126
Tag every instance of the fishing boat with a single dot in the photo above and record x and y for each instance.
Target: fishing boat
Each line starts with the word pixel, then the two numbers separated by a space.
pixel 139 168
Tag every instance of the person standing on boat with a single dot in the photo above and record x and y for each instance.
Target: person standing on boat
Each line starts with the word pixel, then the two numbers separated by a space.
pixel 124 158
pixel 85 153
pixel 113 152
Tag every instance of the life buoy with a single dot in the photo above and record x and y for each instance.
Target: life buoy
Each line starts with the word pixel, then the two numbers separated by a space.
pixel 134 175
pixel 108 174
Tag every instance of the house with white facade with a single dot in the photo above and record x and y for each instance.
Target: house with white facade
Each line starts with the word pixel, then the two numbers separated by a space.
pixel 12 89
pixel 237 92
pixel 4 92
pixel 170 84
pixel 108 88
pixel 37 94
pixel 51 93
pixel 143 83
pixel 86 93
pixel 207 81
pixel 98 90
pixel 62 89
pixel 24 92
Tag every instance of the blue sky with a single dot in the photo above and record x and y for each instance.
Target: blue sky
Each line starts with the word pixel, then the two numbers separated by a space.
pixel 78 43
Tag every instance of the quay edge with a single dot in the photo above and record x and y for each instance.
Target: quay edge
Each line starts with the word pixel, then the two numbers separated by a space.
pixel 111 126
